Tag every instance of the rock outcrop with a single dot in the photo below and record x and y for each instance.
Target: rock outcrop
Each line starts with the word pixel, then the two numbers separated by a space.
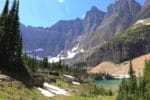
pixel 126 46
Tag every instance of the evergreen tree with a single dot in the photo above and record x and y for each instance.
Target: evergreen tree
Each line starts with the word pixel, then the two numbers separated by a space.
pixel 132 80
pixel 129 89
pixel 147 79
pixel 11 43
pixel 123 90
pixel 45 62
pixel 5 10
pixel 3 36
pixel 142 89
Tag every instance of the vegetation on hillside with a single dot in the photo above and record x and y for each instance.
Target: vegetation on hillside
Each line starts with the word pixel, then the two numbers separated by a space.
pixel 132 34
pixel 17 91
pixel 136 89
pixel 24 68
pixel 127 45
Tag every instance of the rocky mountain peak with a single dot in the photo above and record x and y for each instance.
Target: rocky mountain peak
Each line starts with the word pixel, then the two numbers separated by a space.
pixel 124 6
pixel 147 1
pixel 94 8
pixel 93 12
pixel 145 12
pixel 92 19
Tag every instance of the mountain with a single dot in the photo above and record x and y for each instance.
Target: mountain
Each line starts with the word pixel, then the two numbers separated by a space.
pixel 33 38
pixel 145 12
pixel 125 46
pixel 62 36
pixel 93 19
pixel 119 16
pixel 79 39
pixel 52 40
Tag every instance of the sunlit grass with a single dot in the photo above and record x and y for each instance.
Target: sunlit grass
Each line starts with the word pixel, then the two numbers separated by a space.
pixel 17 91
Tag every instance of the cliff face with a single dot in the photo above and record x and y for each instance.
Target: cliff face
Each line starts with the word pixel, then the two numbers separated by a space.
pixel 93 19
pixel 90 32
pixel 54 39
pixel 64 34
pixel 125 46
pixel 119 17
pixel 61 36
pixel 144 12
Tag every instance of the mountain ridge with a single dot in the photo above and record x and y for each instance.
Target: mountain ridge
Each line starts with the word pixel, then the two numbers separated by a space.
pixel 96 28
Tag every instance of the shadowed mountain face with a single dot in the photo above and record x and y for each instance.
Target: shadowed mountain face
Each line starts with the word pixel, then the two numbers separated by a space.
pixel 88 33
pixel 54 39
pixel 119 17
pixel 93 19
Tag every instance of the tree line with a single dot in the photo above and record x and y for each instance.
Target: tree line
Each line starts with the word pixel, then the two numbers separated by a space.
pixel 11 43
pixel 136 88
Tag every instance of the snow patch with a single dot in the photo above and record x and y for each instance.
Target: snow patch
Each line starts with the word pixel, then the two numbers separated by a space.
pixel 75 83
pixel 55 59
pixel 82 50
pixel 39 49
pixel 140 21
pixel 70 54
pixel 143 22
pixel 68 76
pixel 46 92
pixel 75 48
pixel 55 89
pixel 120 76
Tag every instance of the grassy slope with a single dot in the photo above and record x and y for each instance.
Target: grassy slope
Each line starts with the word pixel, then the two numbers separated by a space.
pixel 17 91
pixel 81 92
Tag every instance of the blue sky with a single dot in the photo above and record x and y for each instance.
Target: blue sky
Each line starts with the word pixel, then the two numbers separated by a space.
pixel 47 12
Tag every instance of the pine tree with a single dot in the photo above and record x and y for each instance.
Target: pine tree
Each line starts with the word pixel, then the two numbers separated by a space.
pixel 5 10
pixel 147 79
pixel 129 89
pixel 18 37
pixel 5 36
pixel 132 80
pixel 45 62
pixel 142 89
pixel 11 43
pixel 123 90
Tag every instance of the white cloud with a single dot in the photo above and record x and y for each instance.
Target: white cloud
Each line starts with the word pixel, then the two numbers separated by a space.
pixel 61 1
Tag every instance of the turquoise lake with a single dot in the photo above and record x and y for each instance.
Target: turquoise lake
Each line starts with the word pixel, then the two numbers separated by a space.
pixel 109 83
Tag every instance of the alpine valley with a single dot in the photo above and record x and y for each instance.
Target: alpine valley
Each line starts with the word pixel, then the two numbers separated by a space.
pixel 103 33
pixel 103 56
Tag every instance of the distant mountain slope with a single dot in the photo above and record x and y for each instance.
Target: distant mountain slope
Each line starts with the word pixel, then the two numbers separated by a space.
pixel 122 68
pixel 34 38
pixel 54 39
pixel 145 11
pixel 119 17
pixel 88 33
pixel 127 45
pixel 61 36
